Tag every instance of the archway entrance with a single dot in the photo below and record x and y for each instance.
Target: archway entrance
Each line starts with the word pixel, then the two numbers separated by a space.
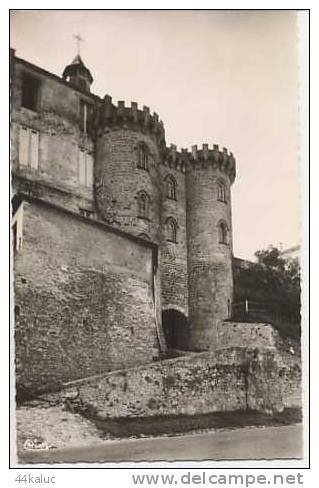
pixel 175 328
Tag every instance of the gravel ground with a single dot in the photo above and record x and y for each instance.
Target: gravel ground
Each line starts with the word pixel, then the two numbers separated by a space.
pixel 55 427
pixel 52 426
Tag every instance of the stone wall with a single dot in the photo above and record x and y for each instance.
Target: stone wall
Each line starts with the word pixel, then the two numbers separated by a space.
pixel 290 374
pixel 57 119
pixel 191 385
pixel 287 369
pixel 237 334
pixel 84 299
pixel 230 380
pixel 174 254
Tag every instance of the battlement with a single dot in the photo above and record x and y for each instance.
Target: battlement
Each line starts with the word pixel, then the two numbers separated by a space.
pixel 218 158
pixel 174 159
pixel 131 117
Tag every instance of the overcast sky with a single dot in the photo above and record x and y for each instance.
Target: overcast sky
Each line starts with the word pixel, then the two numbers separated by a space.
pixel 217 77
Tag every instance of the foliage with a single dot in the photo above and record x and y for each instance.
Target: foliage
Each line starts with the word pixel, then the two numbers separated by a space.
pixel 273 283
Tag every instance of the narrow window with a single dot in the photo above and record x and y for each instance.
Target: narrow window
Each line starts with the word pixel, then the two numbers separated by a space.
pixel 89 170
pixel 34 149
pixel 143 203
pixel 85 169
pixel 29 147
pixel 221 191
pixel 142 157
pixel 223 233
pixel 170 187
pixel 23 146
pixel 171 229
pixel 83 117
pixel 82 170
pixel 86 116
pixel 30 92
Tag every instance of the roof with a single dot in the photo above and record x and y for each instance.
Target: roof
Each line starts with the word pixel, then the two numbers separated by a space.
pixel 77 64
pixel 78 60
pixel 57 78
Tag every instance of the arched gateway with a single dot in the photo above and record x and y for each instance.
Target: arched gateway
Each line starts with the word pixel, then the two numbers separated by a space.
pixel 175 328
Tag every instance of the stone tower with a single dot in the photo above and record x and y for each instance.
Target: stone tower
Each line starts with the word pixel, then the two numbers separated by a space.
pixel 128 184
pixel 209 175
pixel 78 75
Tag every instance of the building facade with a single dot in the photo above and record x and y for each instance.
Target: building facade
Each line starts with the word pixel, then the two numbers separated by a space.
pixel 123 246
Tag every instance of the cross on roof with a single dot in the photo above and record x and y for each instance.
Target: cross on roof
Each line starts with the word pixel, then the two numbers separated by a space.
pixel 78 40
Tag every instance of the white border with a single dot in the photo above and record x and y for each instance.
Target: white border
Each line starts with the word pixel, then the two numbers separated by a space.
pixel 110 477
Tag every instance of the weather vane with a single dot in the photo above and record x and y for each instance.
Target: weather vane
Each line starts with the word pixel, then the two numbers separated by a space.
pixel 78 40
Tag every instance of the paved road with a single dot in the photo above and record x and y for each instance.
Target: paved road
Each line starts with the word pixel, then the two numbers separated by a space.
pixel 282 442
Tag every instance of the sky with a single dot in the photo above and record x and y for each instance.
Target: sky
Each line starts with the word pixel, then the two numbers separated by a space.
pixel 216 77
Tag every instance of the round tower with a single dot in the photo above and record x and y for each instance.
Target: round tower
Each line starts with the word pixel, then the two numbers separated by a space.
pixel 209 175
pixel 127 178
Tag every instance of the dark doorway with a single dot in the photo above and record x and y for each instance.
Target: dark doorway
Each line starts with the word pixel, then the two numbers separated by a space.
pixel 175 328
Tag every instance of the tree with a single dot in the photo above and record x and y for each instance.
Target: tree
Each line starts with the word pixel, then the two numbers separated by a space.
pixel 271 258
pixel 273 286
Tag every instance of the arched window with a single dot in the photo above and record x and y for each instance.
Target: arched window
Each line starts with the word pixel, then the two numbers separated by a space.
pixel 171 229
pixel 143 205
pixel 221 191
pixel 223 232
pixel 143 156
pixel 171 186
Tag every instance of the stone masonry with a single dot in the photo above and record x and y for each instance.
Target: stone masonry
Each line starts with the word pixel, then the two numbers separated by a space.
pixel 123 246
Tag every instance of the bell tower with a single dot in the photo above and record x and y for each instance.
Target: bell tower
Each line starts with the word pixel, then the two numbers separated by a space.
pixel 78 75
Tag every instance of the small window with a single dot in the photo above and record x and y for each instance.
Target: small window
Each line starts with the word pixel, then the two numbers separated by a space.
pixel 30 92
pixel 170 187
pixel 89 170
pixel 221 191
pixel 34 149
pixel 28 147
pixel 85 169
pixel 143 157
pixel 223 233
pixel 24 146
pixel 171 229
pixel 86 117
pixel 143 205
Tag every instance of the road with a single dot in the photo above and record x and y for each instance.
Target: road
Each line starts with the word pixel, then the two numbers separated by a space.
pixel 282 442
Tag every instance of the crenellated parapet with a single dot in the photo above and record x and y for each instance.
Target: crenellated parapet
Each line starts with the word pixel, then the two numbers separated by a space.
pixel 120 116
pixel 219 159
pixel 174 159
